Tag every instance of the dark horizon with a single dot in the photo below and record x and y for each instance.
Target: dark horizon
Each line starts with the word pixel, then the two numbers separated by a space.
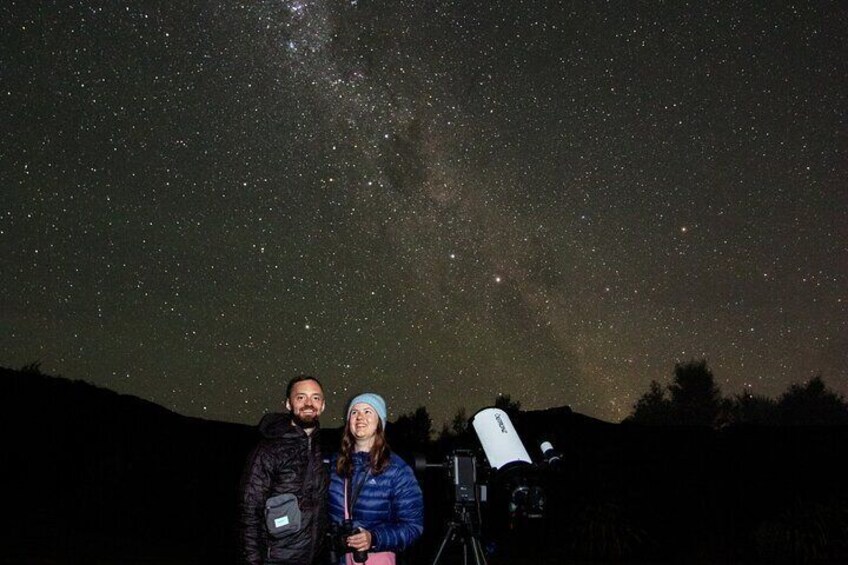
pixel 813 402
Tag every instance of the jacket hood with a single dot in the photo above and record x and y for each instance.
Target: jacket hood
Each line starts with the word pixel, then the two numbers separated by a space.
pixel 277 425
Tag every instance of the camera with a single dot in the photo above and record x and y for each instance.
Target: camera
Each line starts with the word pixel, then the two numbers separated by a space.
pixel 463 472
pixel 339 534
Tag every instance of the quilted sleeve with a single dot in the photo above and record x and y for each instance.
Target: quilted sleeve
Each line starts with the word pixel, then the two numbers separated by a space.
pixel 407 523
pixel 255 489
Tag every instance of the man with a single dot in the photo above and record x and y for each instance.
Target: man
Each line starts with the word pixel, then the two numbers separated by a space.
pixel 287 461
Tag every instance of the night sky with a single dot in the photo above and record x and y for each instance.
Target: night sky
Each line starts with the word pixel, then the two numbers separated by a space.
pixel 439 201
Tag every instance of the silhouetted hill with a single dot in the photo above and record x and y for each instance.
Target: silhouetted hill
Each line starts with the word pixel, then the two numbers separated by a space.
pixel 94 476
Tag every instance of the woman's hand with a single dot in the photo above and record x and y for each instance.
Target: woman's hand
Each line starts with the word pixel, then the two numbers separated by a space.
pixel 360 541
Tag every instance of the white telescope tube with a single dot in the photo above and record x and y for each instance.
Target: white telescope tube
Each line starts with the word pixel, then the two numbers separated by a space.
pixel 498 437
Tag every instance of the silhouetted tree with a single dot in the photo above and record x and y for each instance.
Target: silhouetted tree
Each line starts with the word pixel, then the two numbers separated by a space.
pixel 413 430
pixel 459 424
pixel 695 398
pixel 33 368
pixel 458 434
pixel 508 405
pixel 653 407
pixel 812 404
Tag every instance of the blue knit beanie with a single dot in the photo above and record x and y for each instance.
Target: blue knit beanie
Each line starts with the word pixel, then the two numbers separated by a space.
pixel 375 401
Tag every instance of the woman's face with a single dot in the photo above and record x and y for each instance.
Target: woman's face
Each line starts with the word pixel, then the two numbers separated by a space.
pixel 363 421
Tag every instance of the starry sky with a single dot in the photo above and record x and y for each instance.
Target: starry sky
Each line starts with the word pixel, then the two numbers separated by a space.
pixel 440 201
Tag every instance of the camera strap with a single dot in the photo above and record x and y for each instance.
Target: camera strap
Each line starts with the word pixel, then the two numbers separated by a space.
pixel 358 489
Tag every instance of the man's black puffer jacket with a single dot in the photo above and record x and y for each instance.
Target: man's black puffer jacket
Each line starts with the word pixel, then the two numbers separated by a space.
pixel 286 460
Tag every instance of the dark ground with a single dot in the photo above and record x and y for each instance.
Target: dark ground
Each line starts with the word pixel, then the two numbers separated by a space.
pixel 93 477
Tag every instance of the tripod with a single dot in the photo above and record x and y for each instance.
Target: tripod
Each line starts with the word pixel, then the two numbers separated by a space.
pixel 463 527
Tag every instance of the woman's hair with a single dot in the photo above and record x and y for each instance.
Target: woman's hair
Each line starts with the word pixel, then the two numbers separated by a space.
pixel 379 454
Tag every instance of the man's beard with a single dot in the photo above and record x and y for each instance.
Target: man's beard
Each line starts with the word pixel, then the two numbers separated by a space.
pixel 306 424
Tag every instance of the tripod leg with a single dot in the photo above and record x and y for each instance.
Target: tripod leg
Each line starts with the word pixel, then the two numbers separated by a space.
pixel 479 556
pixel 448 535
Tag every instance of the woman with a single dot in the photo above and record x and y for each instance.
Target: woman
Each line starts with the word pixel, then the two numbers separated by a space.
pixel 373 487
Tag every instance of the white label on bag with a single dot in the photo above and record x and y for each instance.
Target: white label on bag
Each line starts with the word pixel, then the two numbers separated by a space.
pixel 280 522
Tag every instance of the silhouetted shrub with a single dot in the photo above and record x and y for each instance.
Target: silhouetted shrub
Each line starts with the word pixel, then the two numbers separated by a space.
pixel 753 409
pixel 806 532
pixel 603 531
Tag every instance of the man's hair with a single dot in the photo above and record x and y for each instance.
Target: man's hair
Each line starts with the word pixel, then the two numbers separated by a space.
pixel 298 379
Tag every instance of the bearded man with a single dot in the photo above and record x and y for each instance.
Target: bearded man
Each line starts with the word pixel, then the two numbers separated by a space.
pixel 284 487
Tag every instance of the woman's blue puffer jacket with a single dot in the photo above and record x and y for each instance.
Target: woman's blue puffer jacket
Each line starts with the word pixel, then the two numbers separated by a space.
pixel 390 505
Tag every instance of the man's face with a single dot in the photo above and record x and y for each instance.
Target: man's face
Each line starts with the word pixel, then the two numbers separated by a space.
pixel 306 403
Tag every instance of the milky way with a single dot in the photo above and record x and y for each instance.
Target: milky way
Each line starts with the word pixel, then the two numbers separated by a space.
pixel 439 201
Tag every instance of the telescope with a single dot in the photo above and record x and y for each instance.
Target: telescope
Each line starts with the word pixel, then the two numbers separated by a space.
pixel 511 472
